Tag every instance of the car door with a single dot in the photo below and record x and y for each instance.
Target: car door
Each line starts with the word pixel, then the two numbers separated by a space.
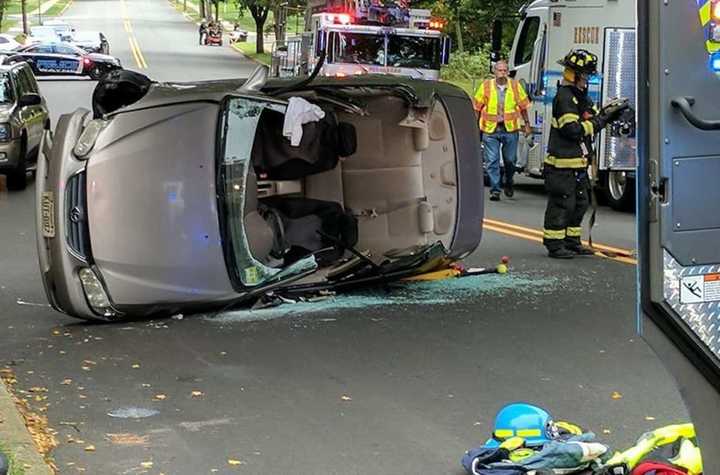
pixel 41 58
pixel 679 225
pixel 23 113
pixel 36 113
pixel 69 61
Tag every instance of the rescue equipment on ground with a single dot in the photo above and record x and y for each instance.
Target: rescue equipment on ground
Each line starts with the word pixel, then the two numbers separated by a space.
pixel 559 448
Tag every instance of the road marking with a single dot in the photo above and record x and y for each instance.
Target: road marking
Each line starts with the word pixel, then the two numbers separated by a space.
pixel 127 25
pixel 535 235
pixel 143 63
pixel 134 52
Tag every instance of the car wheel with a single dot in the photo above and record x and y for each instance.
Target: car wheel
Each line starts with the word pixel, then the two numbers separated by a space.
pixel 96 73
pixel 17 178
pixel 619 191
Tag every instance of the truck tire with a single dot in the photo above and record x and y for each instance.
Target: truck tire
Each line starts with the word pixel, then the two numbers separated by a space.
pixel 17 177
pixel 619 191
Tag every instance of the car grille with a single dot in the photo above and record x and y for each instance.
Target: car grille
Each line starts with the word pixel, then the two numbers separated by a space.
pixel 78 236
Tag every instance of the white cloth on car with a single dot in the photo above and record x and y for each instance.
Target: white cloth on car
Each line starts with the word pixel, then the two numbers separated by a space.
pixel 299 112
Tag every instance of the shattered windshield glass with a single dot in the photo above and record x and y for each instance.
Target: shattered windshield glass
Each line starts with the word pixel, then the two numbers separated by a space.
pixel 413 52
pixel 238 130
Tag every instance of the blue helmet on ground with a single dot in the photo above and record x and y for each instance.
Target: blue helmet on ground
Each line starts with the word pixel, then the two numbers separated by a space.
pixel 528 421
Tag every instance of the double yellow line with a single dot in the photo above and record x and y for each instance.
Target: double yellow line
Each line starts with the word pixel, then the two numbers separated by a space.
pixel 134 45
pixel 536 235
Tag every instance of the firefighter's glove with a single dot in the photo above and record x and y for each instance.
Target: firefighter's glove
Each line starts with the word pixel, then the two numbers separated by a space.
pixel 613 110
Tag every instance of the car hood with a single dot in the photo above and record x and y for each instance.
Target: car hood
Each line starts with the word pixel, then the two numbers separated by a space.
pixel 102 58
pixel 152 208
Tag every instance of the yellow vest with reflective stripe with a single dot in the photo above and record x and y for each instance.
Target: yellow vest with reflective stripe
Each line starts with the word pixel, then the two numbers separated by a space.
pixel 516 99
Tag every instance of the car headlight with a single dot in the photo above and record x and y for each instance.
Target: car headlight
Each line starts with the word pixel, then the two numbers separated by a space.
pixel 95 293
pixel 5 132
pixel 87 139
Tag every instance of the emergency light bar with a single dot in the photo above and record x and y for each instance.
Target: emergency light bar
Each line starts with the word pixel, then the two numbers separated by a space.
pixel 341 18
pixel 715 63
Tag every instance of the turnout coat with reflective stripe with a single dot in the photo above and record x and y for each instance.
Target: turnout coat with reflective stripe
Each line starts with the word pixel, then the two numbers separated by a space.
pixel 572 129
pixel 516 100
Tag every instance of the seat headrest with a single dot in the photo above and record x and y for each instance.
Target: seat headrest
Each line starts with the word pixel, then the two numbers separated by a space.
pixel 347 139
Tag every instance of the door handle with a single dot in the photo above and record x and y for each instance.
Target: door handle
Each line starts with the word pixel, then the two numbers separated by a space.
pixel 685 105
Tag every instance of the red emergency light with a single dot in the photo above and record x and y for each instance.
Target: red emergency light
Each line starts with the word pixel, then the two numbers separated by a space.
pixel 437 24
pixel 342 18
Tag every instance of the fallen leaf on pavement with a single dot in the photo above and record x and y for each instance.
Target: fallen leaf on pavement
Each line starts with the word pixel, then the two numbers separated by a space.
pixel 160 397
pixel 90 448
pixel 606 431
pixel 66 382
pixel 135 366
pixel 86 368
pixel 146 464
pixel 649 418
pixel 89 362
pixel 145 385
pixel 197 393
pixel 235 462
pixel 345 397
pixel 616 395
pixel 37 390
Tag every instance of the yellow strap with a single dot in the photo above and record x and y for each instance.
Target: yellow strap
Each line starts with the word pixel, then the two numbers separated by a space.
pixel 706 13
pixel 559 162
pixel 553 234
pixel 513 443
pixel 712 46
pixel 504 433
pixel 574 232
pixel 566 119
pixel 588 127
pixel 689 457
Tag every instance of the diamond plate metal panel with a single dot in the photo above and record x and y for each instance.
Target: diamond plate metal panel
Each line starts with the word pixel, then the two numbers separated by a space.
pixel 702 318
pixel 618 153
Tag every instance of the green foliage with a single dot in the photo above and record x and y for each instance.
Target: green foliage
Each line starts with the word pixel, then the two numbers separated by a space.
pixel 468 66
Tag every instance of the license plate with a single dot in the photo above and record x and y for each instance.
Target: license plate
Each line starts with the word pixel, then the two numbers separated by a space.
pixel 47 208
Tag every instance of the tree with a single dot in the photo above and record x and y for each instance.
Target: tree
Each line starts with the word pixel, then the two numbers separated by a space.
pixel 259 10
pixel 3 6
pixel 23 7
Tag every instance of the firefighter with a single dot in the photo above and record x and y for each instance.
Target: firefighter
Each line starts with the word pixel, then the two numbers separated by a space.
pixel 575 121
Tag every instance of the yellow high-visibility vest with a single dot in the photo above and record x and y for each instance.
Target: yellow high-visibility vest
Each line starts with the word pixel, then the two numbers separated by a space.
pixel 516 100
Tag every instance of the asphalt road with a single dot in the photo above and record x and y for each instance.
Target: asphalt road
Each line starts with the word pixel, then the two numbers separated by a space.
pixel 396 382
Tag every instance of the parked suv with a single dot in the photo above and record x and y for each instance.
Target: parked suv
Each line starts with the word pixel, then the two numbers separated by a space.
pixel 23 114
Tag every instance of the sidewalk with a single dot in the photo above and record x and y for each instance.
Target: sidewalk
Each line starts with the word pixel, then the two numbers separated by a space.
pixel 32 15
pixel 15 437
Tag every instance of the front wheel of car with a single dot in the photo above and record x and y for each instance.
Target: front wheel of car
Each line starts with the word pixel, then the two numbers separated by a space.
pixel 17 177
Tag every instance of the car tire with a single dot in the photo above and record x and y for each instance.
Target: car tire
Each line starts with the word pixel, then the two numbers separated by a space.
pixel 17 178
pixel 619 194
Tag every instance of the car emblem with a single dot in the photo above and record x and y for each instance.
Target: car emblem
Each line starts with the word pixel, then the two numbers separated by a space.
pixel 76 215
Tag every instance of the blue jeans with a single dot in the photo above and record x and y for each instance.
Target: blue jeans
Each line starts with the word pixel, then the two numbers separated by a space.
pixel 492 143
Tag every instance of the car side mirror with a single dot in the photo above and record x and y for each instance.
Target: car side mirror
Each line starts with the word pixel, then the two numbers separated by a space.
pixel 30 100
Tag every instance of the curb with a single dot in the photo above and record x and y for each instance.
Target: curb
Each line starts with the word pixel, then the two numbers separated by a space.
pixel 254 60
pixel 62 12
pixel 16 438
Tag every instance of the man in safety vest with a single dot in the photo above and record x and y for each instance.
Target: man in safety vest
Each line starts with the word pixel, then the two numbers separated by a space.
pixel 501 101
pixel 575 121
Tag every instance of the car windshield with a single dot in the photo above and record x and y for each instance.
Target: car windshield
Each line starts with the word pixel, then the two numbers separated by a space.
pixel 235 196
pixel 413 52
pixel 6 90
pixel 360 48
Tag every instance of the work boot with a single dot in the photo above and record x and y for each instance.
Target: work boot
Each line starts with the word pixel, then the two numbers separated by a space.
pixel 581 250
pixel 561 253
pixel 509 192
pixel 495 196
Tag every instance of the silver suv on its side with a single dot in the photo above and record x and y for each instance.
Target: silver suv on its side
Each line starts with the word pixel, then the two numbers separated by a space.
pixel 23 116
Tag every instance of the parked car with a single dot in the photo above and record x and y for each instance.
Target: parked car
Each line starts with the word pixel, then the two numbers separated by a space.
pixel 64 59
pixel 91 41
pixel 8 43
pixel 180 197
pixel 52 31
pixel 23 115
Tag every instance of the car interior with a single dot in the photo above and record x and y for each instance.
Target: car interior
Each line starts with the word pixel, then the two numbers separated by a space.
pixel 376 179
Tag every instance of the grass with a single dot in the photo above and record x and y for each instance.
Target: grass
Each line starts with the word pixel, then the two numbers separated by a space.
pixel 230 12
pixel 14 8
pixel 248 49
pixel 15 468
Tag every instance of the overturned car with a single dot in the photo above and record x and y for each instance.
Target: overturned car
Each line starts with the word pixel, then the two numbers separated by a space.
pixel 174 197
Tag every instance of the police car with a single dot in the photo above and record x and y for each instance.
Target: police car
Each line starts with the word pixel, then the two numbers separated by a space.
pixel 63 59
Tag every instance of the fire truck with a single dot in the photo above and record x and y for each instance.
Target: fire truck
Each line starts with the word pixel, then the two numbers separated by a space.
pixel 547 31
pixel 365 37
